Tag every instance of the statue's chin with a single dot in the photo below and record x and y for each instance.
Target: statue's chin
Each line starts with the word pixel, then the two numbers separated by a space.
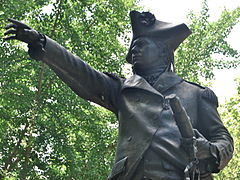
pixel 138 65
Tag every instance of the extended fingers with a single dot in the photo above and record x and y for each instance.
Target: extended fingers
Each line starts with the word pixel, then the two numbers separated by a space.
pixel 10 31
pixel 10 37
pixel 17 24
pixel 19 31
pixel 8 26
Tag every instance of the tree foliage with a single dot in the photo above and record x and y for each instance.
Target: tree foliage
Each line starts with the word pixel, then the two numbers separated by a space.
pixel 194 58
pixel 47 132
pixel 231 117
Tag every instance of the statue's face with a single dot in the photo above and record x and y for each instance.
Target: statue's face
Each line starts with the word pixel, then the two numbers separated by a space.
pixel 145 52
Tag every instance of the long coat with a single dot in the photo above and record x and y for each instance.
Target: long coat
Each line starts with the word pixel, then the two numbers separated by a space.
pixel 144 115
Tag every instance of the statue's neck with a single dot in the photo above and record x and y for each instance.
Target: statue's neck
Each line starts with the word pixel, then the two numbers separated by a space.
pixel 150 74
pixel 147 71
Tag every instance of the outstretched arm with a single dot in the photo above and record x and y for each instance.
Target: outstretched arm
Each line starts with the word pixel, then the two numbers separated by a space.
pixel 79 76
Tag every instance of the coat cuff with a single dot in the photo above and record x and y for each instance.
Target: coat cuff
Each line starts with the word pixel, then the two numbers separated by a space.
pixel 36 49
pixel 224 153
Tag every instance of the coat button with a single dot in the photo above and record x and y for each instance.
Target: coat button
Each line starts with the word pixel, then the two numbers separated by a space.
pixel 129 138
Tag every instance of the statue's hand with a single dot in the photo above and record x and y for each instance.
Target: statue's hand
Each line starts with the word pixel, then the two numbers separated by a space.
pixel 203 146
pixel 20 31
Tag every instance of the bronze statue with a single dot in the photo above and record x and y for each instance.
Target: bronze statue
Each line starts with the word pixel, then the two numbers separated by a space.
pixel 151 145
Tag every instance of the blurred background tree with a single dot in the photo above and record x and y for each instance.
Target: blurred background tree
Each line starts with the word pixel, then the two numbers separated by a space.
pixel 230 112
pixel 47 132
pixel 208 38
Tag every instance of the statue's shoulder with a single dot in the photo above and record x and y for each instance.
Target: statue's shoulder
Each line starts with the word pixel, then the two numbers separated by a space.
pixel 198 86
pixel 115 76
pixel 209 95
pixel 206 93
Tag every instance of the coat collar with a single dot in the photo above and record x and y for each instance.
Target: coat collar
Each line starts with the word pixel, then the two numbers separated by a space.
pixel 164 82
pixel 138 82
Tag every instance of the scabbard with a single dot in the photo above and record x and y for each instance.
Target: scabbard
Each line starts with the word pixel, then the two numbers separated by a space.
pixel 184 124
pixel 181 117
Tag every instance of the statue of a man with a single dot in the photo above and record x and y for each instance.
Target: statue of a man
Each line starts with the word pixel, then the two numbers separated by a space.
pixel 149 144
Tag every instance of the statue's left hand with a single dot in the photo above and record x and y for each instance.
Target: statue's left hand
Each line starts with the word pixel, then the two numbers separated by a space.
pixel 20 31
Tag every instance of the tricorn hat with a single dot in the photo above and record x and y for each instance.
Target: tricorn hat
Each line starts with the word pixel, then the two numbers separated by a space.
pixel 145 24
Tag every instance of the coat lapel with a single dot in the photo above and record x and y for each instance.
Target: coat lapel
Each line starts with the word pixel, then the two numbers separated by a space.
pixel 138 82
pixel 166 81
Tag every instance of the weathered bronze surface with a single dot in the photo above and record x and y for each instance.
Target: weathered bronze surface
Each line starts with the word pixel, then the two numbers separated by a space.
pixel 150 145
